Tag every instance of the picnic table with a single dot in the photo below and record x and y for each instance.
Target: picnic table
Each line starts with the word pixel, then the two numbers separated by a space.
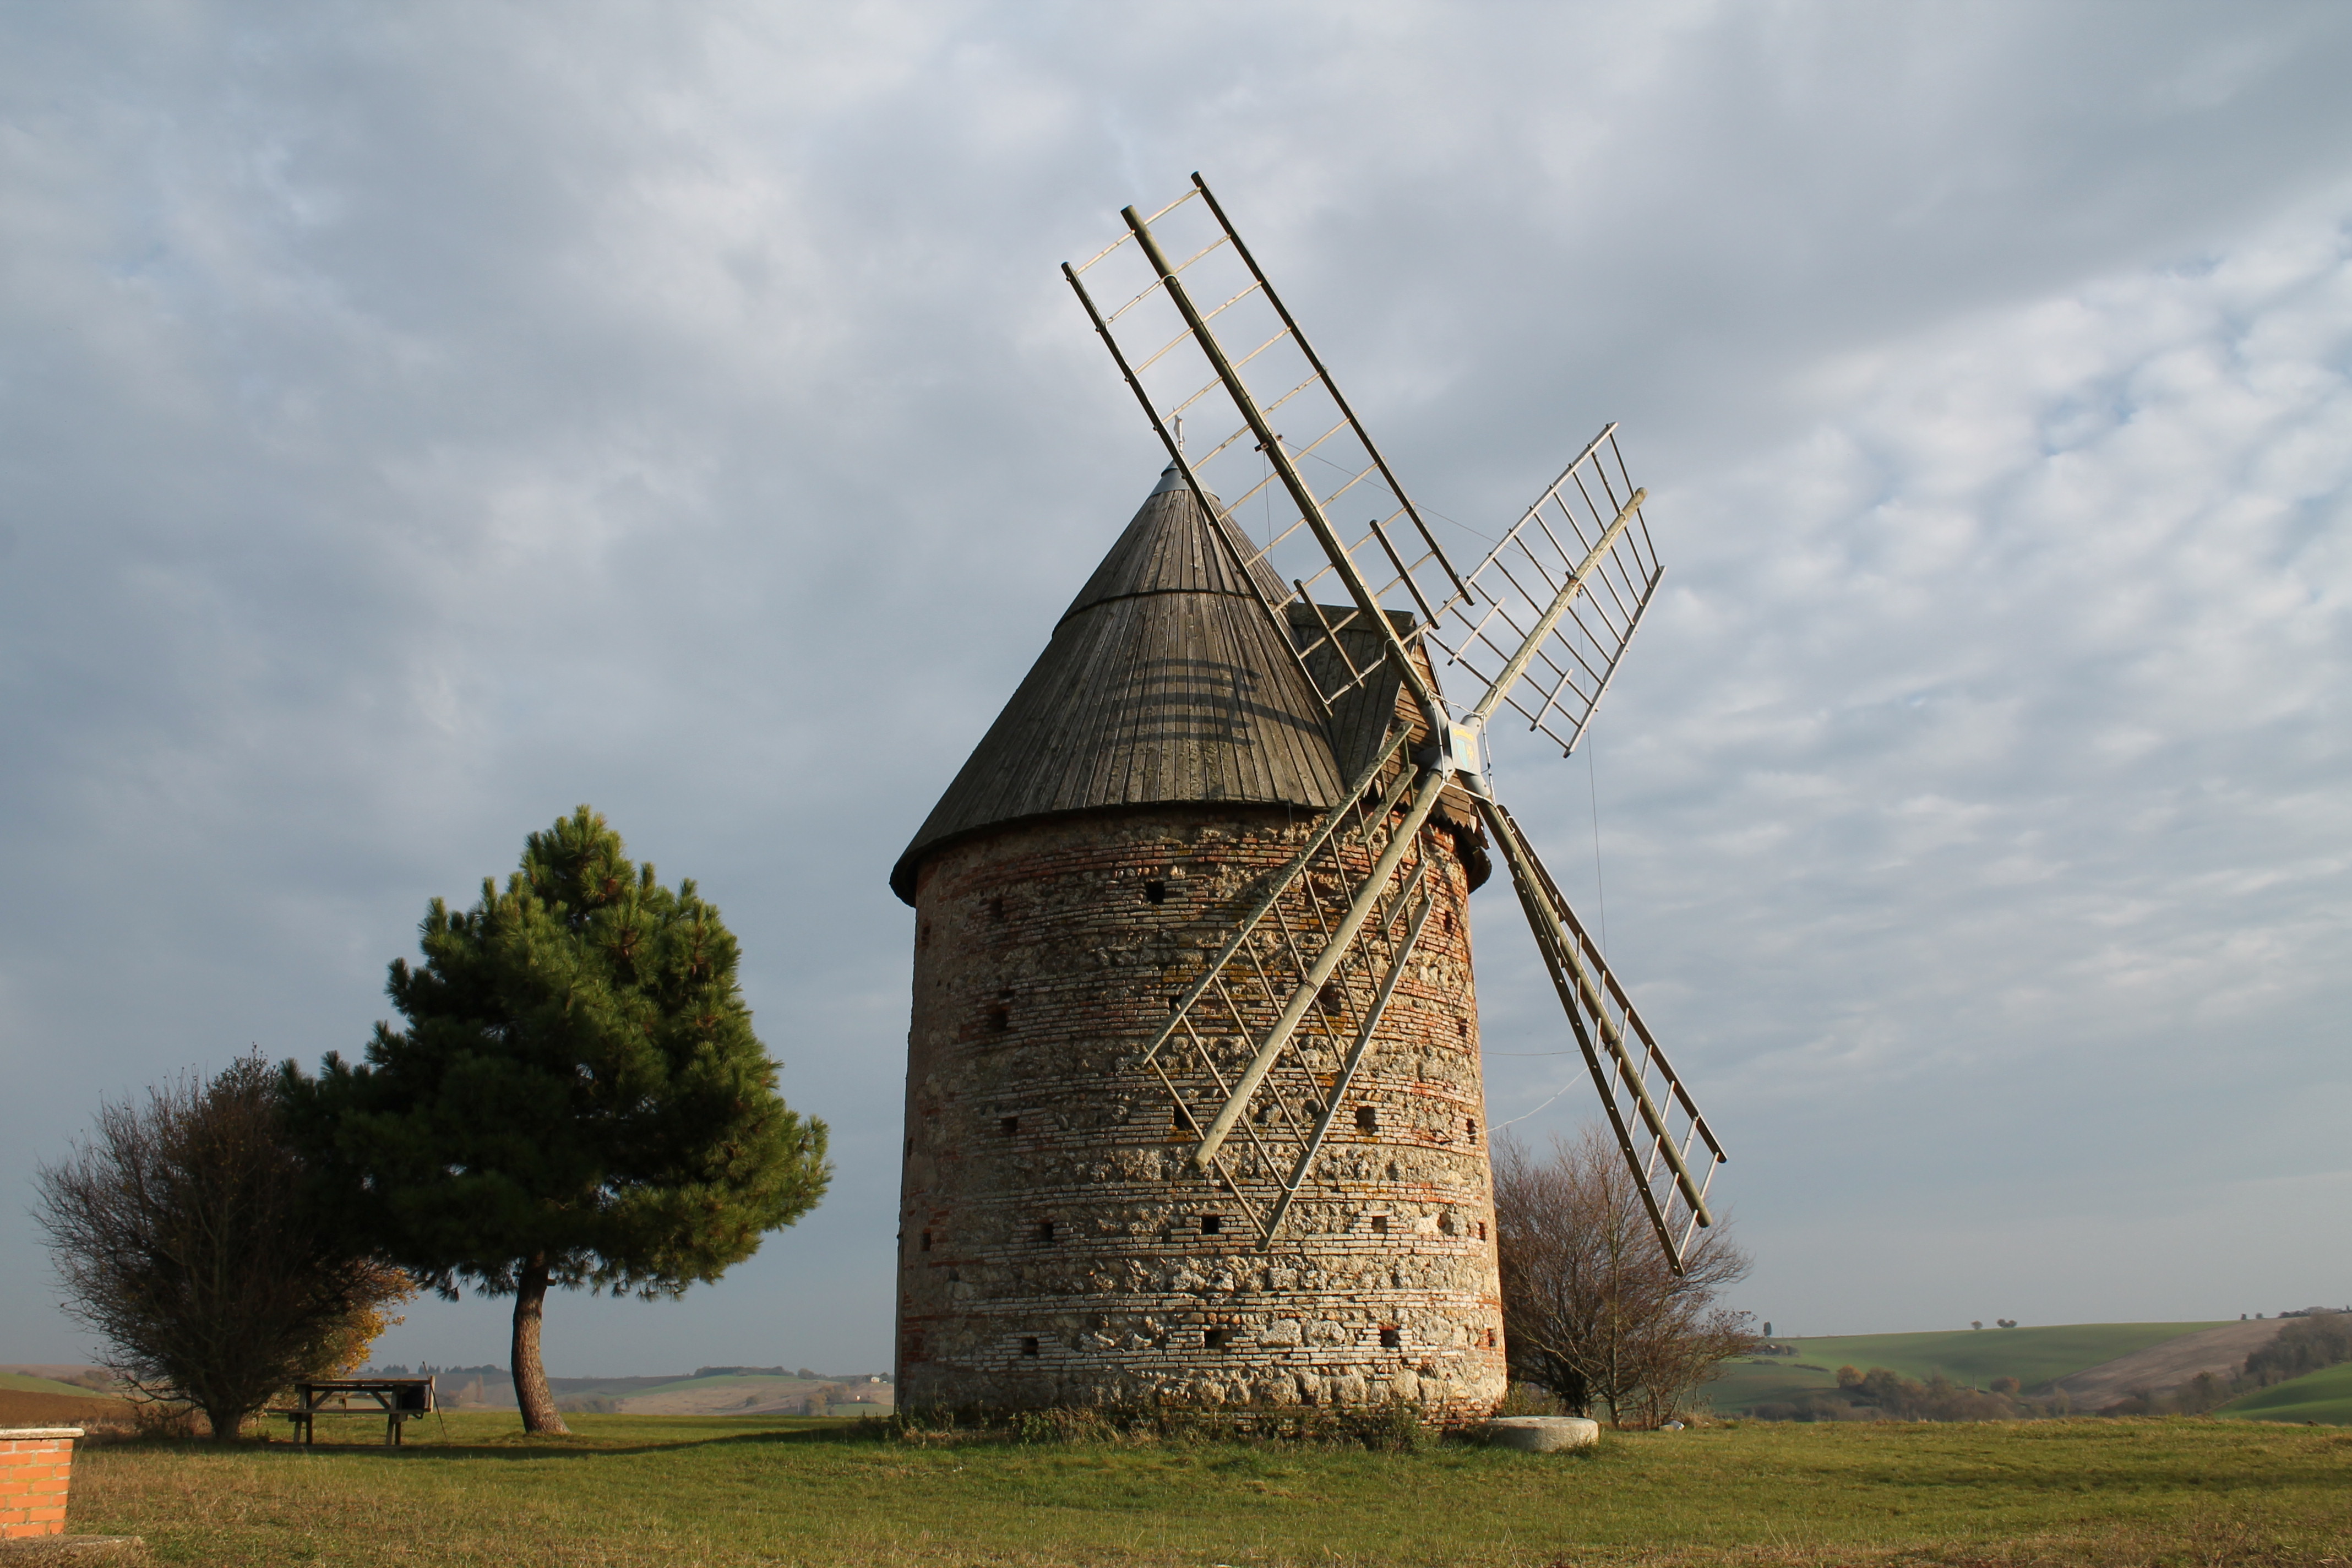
pixel 398 1400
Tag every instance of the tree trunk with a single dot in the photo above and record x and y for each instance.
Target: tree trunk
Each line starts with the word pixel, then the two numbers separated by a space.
pixel 538 1412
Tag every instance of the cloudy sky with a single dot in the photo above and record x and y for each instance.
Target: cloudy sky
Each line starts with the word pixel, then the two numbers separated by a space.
pixel 415 421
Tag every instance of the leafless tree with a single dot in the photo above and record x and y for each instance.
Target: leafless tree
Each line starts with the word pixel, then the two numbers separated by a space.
pixel 181 1232
pixel 1590 1311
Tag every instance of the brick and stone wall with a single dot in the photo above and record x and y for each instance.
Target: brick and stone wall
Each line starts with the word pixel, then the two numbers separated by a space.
pixel 36 1471
pixel 1056 1247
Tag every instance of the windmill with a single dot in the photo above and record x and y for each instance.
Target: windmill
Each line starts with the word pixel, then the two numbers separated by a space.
pixel 1195 1110
pixel 1536 629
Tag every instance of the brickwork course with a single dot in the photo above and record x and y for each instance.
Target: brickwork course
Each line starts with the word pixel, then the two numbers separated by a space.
pixel 1162 758
pixel 35 1474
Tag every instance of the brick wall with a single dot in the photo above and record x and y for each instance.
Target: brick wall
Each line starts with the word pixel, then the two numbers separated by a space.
pixel 36 1469
pixel 1054 1249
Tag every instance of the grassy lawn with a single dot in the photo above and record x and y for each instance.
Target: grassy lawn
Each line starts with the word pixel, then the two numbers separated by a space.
pixel 2324 1396
pixel 716 1490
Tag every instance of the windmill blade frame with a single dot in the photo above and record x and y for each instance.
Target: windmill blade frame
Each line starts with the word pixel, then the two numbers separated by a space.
pixel 1187 369
pixel 1309 977
pixel 1167 345
pixel 1305 969
pixel 1602 1018
pixel 1529 616
pixel 1565 549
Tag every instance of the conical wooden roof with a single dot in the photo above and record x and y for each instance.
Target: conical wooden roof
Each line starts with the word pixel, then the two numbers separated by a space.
pixel 1165 682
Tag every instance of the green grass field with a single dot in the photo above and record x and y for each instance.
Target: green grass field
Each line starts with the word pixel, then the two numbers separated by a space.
pixel 692 1492
pixel 23 1385
pixel 1970 1356
pixel 2324 1396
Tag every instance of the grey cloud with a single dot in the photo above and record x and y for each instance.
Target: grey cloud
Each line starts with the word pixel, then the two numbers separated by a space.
pixel 418 422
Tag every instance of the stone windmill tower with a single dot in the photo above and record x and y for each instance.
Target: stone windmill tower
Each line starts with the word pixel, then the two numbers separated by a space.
pixel 1194 1103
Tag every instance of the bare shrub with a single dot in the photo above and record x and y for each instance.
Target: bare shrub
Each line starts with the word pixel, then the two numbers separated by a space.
pixel 185 1234
pixel 166 1419
pixel 1590 1311
pixel 1527 1399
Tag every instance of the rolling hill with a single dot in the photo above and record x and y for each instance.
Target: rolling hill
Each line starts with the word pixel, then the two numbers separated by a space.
pixel 2034 1356
pixel 719 1393
pixel 2324 1396
pixel 19 1382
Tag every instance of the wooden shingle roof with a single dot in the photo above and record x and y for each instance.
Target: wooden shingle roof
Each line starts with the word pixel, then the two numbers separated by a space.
pixel 1165 682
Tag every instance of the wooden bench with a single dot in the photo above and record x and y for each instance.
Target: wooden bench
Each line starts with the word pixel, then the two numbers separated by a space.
pixel 399 1400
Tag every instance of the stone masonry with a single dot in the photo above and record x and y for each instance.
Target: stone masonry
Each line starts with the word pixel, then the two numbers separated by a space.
pixel 1058 1250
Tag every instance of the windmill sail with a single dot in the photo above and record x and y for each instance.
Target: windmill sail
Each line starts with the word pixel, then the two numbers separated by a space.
pixel 1245 407
pixel 1204 341
pixel 1260 1051
pixel 1584 533
pixel 1657 1125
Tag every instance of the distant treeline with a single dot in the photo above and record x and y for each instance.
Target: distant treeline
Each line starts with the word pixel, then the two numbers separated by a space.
pixel 783 1371
pixel 1880 1394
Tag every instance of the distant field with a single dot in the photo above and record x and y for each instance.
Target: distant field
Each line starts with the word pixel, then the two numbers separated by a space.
pixel 2324 1396
pixel 1977 1356
pixel 1745 1385
pixel 723 1394
pixel 19 1407
pixel 700 1492
pixel 20 1383
pixel 1971 1356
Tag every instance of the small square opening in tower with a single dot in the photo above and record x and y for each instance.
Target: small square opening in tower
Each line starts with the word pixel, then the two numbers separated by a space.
pixel 1390 1338
pixel 1482 1230
pixel 1155 891
pixel 1212 1225
pixel 927 1241
pixel 1379 1225
pixel 1182 1117
pixel 1029 1345
pixel 1217 1338
pixel 1367 1119
pixel 1009 1125
pixel 1490 1338
pixel 1470 1126
pixel 1045 1233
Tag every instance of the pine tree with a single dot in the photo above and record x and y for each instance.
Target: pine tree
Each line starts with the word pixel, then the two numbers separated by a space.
pixel 577 1097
